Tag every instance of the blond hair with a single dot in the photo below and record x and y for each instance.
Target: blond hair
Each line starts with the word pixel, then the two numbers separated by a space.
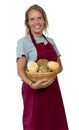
pixel 40 9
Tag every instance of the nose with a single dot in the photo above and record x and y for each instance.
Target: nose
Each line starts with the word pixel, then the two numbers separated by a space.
pixel 36 20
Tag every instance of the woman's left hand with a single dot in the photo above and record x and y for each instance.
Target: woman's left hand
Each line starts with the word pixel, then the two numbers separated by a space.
pixel 42 83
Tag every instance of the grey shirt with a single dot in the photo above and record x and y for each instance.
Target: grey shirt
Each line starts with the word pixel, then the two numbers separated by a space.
pixel 27 48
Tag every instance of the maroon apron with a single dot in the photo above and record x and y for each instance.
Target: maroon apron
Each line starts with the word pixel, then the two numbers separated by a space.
pixel 43 109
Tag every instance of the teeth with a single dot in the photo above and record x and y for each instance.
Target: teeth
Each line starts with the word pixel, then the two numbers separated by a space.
pixel 37 26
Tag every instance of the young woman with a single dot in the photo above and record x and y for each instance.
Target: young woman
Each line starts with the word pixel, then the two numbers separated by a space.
pixel 43 105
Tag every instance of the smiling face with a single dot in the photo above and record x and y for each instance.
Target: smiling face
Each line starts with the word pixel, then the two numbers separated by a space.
pixel 36 22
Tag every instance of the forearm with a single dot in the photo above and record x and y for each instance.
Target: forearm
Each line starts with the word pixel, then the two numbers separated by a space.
pixel 60 70
pixel 60 65
pixel 21 70
pixel 24 77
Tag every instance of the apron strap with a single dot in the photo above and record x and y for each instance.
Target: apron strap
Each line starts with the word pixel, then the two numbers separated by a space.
pixel 33 40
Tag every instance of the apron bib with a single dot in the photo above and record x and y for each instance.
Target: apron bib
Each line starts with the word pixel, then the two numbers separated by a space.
pixel 43 109
pixel 44 51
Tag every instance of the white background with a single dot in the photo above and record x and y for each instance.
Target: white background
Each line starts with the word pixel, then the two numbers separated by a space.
pixel 63 16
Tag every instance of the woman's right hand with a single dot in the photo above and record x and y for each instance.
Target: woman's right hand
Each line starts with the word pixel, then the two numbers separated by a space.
pixel 42 84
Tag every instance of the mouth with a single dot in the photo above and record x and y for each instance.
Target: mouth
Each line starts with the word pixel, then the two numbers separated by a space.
pixel 37 26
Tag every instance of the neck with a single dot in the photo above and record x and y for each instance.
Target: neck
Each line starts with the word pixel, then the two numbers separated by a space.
pixel 37 34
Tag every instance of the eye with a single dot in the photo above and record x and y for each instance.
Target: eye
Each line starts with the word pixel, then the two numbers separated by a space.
pixel 40 17
pixel 31 19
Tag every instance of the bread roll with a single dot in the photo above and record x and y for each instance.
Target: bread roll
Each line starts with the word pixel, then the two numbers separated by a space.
pixel 52 65
pixel 42 62
pixel 32 66
pixel 42 65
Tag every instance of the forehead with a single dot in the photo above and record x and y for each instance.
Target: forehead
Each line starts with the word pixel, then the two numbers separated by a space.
pixel 33 13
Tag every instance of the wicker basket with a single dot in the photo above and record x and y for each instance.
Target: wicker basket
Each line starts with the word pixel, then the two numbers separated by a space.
pixel 36 76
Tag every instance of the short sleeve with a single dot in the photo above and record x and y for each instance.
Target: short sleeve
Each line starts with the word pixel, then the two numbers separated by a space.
pixel 56 49
pixel 54 46
pixel 20 49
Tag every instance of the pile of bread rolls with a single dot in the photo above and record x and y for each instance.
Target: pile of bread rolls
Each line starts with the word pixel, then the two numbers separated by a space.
pixel 42 65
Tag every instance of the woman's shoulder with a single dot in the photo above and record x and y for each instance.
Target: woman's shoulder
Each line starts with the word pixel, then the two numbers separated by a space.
pixel 24 39
pixel 50 40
